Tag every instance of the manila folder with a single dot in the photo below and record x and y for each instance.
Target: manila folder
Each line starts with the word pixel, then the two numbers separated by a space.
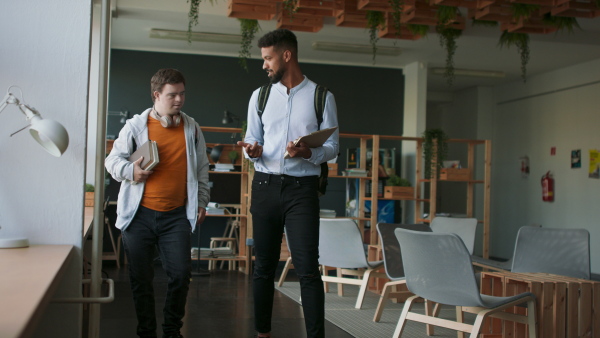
pixel 315 139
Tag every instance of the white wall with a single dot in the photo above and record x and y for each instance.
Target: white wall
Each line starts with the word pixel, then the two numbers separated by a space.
pixel 45 50
pixel 556 109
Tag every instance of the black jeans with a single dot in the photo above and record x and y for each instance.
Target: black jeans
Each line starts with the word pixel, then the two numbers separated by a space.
pixel 170 232
pixel 279 200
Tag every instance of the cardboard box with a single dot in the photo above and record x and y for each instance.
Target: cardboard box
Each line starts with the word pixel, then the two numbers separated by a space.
pixel 333 169
pixel 398 193
pixel 455 174
pixel 89 199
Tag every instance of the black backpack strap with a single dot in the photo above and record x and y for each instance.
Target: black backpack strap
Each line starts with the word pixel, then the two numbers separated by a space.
pixel 263 97
pixel 320 98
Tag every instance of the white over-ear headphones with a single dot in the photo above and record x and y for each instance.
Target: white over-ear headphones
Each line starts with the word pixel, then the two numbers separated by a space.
pixel 167 121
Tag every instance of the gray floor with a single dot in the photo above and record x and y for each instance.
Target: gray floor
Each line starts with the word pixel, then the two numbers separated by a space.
pixel 359 323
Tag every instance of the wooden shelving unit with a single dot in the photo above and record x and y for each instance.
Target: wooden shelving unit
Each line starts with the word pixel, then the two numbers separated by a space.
pixel 243 257
pixel 470 181
pixel 373 142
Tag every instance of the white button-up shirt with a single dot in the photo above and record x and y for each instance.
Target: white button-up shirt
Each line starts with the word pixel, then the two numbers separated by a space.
pixel 285 118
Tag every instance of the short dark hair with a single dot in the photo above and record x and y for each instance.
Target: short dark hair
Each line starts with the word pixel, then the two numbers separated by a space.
pixel 164 76
pixel 280 39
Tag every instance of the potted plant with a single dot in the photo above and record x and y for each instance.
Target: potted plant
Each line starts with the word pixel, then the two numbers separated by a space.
pixel 233 155
pixel 435 146
pixel 398 188
pixel 89 195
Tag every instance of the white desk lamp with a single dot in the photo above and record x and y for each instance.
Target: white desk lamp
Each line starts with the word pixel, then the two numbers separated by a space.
pixel 49 133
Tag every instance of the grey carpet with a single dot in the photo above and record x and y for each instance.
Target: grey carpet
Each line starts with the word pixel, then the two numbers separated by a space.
pixel 341 312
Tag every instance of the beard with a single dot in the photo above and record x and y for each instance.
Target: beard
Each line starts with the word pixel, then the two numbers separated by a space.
pixel 277 76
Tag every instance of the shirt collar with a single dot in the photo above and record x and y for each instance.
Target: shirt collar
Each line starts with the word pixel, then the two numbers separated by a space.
pixel 283 88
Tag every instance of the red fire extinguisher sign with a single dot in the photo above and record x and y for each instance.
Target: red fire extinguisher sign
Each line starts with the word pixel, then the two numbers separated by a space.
pixel 547 187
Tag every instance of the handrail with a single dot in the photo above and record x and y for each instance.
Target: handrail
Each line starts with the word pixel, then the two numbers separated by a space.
pixel 103 300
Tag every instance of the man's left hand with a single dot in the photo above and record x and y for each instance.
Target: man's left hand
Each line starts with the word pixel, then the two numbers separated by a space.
pixel 201 215
pixel 298 150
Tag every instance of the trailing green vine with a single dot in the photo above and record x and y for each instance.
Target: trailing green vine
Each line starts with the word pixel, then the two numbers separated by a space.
pixel 248 27
pixel 375 20
pixel 439 151
pixel 448 35
pixel 193 16
pixel 521 41
pixel 397 8
pixel 419 30
pixel 291 6
pixel 562 23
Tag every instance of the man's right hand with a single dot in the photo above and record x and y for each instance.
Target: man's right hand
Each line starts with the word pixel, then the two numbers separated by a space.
pixel 253 150
pixel 140 175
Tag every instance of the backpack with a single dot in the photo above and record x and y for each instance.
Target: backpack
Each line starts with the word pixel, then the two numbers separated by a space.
pixel 320 97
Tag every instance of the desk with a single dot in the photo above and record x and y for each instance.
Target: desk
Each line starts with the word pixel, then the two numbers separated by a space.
pixel 29 277
pixel 566 306
pixel 88 220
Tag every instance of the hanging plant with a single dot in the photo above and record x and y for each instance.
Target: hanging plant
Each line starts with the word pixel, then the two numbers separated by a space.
pixel 523 11
pixel 249 27
pixel 420 30
pixel 521 41
pixel 193 16
pixel 291 6
pixel 375 20
pixel 439 151
pixel 448 35
pixel 562 23
pixel 397 7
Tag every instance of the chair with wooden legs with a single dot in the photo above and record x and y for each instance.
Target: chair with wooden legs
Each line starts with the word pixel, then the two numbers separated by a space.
pixel 438 268
pixel 341 247
pixel 392 260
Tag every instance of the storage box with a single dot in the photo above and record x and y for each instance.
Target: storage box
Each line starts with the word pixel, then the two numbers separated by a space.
pixel 89 199
pixel 455 174
pixel 333 169
pixel 398 193
pixel 565 306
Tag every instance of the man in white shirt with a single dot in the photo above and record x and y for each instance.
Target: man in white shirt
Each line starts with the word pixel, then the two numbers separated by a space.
pixel 284 191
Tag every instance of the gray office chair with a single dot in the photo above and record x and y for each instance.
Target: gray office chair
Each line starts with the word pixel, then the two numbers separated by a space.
pixel 392 260
pixel 557 251
pixel 438 268
pixel 465 228
pixel 495 265
pixel 341 246
pixel 563 252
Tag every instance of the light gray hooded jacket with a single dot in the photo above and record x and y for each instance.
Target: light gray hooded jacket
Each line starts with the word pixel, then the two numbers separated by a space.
pixel 130 195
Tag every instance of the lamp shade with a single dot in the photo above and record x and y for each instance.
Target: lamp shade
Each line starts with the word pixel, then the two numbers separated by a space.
pixel 50 134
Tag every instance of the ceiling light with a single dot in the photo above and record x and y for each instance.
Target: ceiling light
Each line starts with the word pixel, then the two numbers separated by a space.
pixel 196 36
pixel 354 48
pixel 469 72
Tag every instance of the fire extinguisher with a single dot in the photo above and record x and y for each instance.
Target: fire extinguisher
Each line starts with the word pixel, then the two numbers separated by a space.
pixel 547 187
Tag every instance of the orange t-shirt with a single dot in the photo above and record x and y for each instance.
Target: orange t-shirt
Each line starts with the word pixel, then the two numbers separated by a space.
pixel 166 187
